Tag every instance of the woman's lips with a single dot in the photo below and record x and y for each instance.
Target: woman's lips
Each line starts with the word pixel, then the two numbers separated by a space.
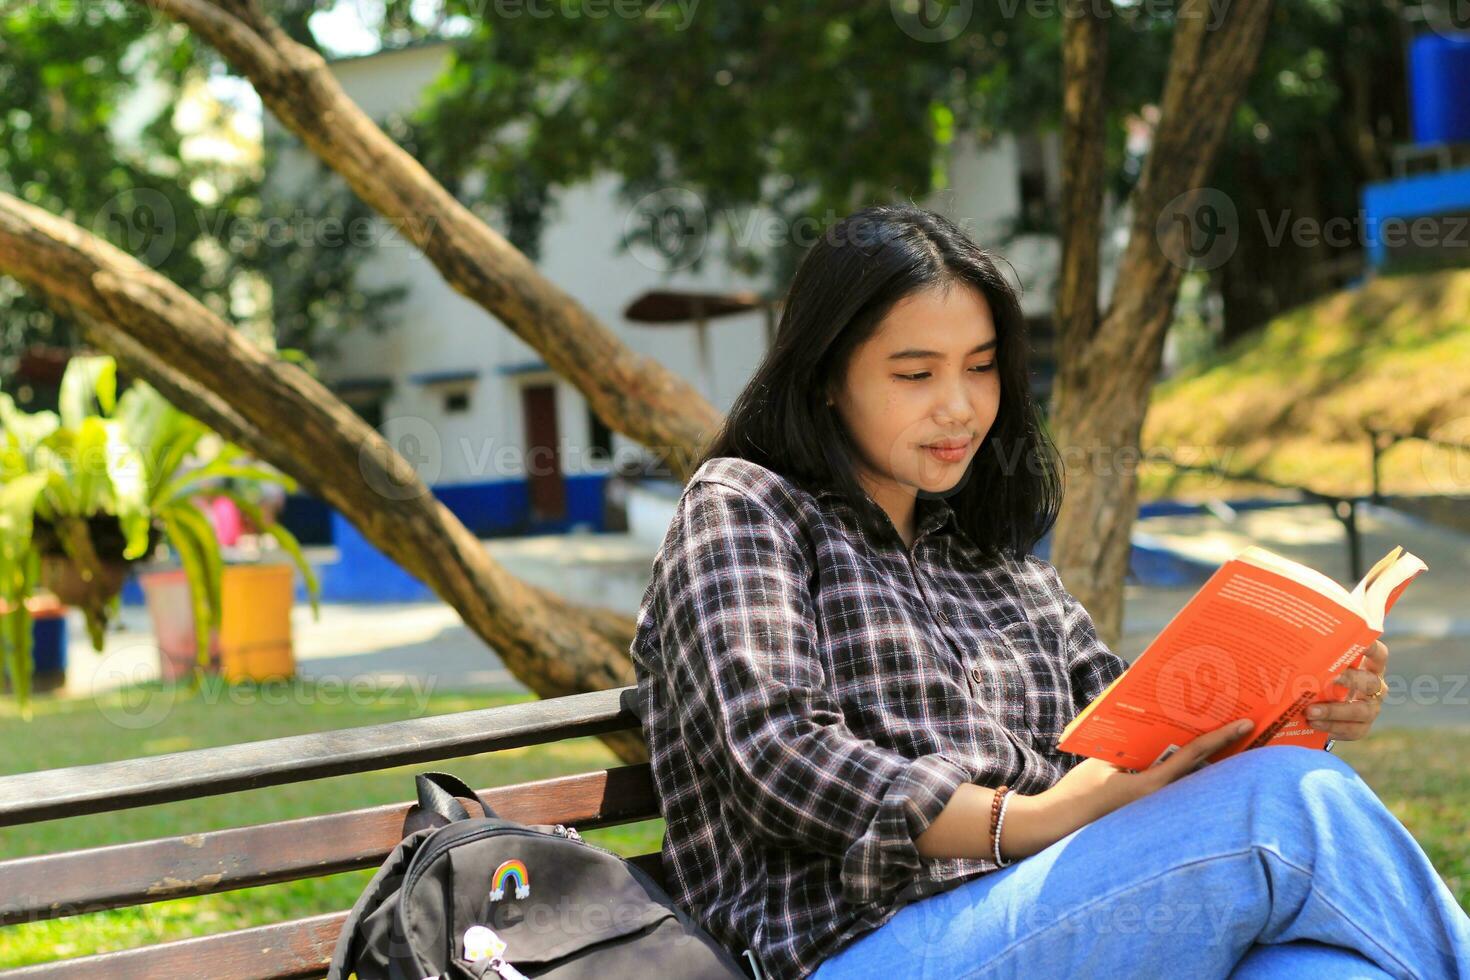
pixel 947 453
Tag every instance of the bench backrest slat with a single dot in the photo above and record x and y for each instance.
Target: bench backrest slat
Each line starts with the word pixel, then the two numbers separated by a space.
pixel 51 886
pixel 109 786
pixel 56 885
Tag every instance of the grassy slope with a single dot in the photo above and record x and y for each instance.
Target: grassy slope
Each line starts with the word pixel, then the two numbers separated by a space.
pixel 1291 400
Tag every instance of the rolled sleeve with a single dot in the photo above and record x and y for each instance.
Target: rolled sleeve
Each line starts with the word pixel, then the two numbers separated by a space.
pixel 741 646
pixel 884 859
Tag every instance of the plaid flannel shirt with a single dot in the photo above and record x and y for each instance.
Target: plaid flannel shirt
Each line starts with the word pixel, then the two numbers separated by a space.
pixel 812 698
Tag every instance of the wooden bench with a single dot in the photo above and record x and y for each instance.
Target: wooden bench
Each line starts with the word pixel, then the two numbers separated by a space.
pixel 56 885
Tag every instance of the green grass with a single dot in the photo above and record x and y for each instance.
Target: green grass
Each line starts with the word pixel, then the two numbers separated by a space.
pixel 67 733
pixel 1291 400
pixel 1422 775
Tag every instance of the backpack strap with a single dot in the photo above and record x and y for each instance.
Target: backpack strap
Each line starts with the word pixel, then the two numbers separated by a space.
pixel 437 792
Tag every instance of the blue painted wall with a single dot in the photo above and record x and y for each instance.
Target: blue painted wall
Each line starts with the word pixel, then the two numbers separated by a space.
pixel 1408 198
pixel 489 510
pixel 501 509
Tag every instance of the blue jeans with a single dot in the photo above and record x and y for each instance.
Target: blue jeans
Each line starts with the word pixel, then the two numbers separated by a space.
pixel 1278 861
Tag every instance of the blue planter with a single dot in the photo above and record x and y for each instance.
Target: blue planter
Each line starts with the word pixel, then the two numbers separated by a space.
pixel 48 652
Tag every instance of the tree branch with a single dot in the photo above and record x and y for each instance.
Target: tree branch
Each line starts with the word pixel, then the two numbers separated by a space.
pixel 630 393
pixel 288 418
pixel 1104 379
pixel 1084 75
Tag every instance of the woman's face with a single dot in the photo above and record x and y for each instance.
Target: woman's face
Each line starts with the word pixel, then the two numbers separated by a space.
pixel 927 375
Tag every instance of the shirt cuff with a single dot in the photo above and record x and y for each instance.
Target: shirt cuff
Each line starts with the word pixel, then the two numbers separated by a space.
pixel 886 857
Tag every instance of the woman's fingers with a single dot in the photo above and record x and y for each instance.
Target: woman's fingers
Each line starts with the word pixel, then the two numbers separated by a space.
pixel 1360 683
pixel 1344 719
pixel 1197 751
pixel 1376 659
pixel 1351 719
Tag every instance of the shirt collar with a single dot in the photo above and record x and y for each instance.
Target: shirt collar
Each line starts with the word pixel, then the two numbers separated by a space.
pixel 930 513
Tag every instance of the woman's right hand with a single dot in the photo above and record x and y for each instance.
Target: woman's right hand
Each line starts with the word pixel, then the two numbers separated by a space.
pixel 1094 788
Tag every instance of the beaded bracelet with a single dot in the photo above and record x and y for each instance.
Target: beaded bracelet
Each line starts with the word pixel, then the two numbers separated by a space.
pixel 1000 822
pixel 997 815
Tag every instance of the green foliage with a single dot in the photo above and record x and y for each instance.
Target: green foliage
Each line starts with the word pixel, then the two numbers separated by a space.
pixel 807 109
pixel 90 130
pixel 308 244
pixel 136 459
pixel 66 73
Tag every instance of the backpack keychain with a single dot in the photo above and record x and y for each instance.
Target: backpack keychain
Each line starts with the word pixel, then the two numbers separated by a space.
pixel 486 951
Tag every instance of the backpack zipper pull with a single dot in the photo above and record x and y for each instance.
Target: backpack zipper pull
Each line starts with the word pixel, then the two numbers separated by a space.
pixel 506 971
pixel 562 830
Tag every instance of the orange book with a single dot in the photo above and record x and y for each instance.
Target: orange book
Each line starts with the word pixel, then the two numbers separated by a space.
pixel 1262 639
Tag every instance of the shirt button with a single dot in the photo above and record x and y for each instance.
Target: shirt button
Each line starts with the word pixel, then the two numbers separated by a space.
pixel 944 617
pixel 976 675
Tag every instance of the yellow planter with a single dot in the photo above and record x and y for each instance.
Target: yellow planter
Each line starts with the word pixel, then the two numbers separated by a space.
pixel 255 622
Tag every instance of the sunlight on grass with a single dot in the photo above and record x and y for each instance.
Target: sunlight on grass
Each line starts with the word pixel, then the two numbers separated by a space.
pixel 1291 400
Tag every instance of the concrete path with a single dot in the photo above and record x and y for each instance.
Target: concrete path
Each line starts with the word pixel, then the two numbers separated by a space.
pixel 1428 631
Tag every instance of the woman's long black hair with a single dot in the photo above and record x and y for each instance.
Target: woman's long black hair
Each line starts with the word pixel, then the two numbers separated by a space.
pixel 845 285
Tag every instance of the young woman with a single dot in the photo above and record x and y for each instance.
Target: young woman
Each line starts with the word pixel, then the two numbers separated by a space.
pixel 853 675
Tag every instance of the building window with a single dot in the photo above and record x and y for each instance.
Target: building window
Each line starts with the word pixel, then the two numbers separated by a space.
pixel 370 412
pixel 456 403
pixel 600 438
pixel 1036 212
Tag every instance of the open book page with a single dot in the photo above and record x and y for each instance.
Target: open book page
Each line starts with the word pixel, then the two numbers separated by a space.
pixel 1377 570
pixel 1371 598
pixel 1303 574
pixel 1385 588
pixel 1255 642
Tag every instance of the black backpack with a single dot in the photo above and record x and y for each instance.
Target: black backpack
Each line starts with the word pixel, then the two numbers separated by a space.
pixel 492 899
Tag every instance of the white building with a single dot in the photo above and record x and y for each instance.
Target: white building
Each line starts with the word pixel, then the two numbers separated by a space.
pixel 464 398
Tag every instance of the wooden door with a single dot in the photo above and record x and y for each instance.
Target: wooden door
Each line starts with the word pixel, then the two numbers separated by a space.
pixel 546 487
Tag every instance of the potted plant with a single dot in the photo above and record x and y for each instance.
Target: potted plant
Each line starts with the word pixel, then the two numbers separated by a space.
pixel 92 488
pixel 48 644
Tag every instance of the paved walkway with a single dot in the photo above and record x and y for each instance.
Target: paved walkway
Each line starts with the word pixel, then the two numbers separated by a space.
pixel 1428 631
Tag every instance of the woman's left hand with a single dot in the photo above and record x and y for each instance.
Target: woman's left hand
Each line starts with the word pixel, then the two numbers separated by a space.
pixel 1351 719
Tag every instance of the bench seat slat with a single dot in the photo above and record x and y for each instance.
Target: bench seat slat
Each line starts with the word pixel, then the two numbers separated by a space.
pixel 301 948
pixel 284 951
pixel 57 885
pixel 110 786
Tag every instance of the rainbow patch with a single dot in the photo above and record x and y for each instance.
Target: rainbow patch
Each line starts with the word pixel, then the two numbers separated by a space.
pixel 512 870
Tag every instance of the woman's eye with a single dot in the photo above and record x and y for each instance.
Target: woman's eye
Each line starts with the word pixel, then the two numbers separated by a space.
pixel 978 369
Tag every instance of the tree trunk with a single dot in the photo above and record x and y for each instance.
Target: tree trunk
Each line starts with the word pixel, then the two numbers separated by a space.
pixel 632 394
pixel 1107 364
pixel 281 413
